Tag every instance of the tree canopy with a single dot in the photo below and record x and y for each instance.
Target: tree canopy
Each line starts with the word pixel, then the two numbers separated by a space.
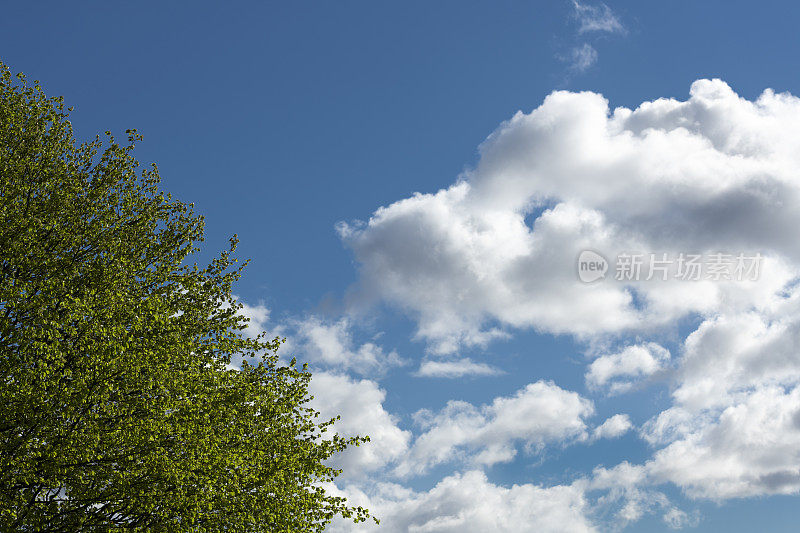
pixel 119 408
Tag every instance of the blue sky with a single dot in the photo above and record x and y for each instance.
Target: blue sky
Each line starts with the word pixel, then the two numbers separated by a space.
pixel 451 326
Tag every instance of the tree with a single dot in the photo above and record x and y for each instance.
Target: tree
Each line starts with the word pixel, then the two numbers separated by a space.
pixel 119 410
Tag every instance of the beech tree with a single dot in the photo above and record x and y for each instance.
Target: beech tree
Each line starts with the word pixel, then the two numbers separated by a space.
pixel 119 409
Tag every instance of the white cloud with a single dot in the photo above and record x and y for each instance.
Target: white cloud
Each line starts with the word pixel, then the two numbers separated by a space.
pixel 455 369
pixel 613 427
pixel 597 18
pixel 360 405
pixel 540 414
pixel 624 496
pixel 331 344
pixel 258 316
pixel 470 503
pixel 619 370
pixel 496 251
pixel 582 57
pixel 678 519
pixel 607 500
pixel 738 351
pixel 328 343
pixel 468 264
pixel 359 402
pixel 592 19
pixel 751 448
pixel 734 429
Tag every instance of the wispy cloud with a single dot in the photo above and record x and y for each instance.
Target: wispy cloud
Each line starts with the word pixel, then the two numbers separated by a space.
pixel 593 21
pixel 455 369
pixel 598 18
pixel 582 57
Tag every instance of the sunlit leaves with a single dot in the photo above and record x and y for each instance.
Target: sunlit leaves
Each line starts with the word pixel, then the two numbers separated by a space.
pixel 118 410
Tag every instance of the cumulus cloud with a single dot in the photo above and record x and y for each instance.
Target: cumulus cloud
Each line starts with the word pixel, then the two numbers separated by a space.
pixel 331 343
pixel 360 405
pixel 606 500
pixel 540 414
pixel 455 369
pixel 470 503
pixel 734 352
pixel 619 370
pixel 497 249
pixel 257 316
pixel 613 427
pixel 751 448
pixel 733 430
